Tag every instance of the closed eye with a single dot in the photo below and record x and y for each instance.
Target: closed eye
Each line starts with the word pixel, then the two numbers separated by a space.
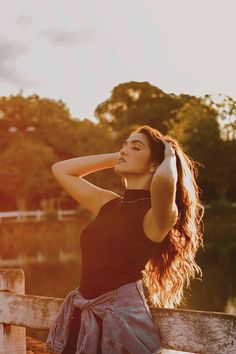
pixel 136 148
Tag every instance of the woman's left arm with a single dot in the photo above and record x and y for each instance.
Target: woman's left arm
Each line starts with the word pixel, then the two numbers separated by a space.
pixel 163 192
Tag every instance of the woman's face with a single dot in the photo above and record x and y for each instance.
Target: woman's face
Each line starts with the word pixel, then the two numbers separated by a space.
pixel 135 156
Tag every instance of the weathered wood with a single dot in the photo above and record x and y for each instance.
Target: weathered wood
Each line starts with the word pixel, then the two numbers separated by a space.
pixel 196 331
pixel 28 310
pixel 12 338
pixel 183 330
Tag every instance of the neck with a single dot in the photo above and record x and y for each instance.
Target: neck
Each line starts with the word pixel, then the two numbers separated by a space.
pixel 137 184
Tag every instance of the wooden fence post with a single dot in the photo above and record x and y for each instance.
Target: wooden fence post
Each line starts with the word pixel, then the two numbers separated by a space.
pixel 12 338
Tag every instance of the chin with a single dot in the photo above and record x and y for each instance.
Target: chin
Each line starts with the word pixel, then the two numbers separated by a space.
pixel 117 171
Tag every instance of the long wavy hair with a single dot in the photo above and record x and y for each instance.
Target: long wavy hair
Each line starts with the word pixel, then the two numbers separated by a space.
pixel 171 268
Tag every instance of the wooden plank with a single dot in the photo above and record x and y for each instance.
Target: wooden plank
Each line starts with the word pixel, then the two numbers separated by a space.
pixel 12 338
pixel 183 330
pixel 28 310
pixel 196 331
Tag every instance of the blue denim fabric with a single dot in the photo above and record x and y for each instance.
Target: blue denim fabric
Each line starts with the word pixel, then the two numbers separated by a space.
pixel 128 326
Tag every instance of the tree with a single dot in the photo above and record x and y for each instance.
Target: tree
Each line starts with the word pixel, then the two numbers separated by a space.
pixel 135 103
pixel 223 174
pixel 26 171
pixel 225 106
pixel 45 119
pixel 197 129
pixel 36 132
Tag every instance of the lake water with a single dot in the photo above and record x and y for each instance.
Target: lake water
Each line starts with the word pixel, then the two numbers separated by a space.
pixel 215 292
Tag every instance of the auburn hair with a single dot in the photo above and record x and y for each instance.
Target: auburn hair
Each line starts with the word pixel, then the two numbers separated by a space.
pixel 173 266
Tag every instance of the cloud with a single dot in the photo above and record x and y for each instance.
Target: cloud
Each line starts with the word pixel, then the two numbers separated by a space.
pixel 24 21
pixel 66 37
pixel 10 51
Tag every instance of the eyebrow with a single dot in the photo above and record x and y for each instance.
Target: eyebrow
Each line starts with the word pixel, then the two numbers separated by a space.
pixel 134 141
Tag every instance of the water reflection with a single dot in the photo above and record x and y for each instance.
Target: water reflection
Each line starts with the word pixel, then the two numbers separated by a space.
pixel 217 286
pixel 215 292
pixel 53 279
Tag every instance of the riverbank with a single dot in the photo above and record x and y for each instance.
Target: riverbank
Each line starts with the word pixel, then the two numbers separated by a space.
pixel 53 240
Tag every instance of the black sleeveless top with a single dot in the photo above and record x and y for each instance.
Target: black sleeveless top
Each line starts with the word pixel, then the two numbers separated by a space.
pixel 114 247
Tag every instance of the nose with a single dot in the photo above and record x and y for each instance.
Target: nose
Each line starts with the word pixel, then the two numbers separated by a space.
pixel 123 151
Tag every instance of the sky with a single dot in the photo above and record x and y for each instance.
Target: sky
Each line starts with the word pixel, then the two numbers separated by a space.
pixel 79 50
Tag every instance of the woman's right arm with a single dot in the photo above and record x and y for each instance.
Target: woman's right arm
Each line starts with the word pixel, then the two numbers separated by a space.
pixel 69 175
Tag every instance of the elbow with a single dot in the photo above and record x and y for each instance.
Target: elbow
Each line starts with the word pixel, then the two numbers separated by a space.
pixel 60 168
pixel 55 167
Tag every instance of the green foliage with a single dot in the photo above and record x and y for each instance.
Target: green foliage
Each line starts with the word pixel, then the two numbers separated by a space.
pixel 26 171
pixel 225 106
pixel 138 103
pixel 197 129
pixel 36 132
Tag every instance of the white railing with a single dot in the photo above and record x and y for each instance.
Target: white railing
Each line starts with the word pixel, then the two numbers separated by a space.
pixel 38 215
pixel 21 215
pixel 62 213
pixel 200 332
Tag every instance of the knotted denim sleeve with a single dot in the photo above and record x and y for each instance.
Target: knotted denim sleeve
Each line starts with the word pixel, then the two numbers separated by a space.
pixel 127 323
pixel 89 331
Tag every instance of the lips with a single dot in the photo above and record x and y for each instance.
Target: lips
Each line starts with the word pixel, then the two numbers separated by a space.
pixel 121 159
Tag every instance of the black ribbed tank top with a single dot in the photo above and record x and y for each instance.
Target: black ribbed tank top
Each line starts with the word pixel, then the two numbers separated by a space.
pixel 114 247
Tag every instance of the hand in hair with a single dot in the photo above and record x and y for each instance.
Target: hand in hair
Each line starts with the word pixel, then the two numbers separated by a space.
pixel 168 167
pixel 169 150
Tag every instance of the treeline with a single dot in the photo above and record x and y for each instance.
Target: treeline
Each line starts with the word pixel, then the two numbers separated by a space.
pixel 35 132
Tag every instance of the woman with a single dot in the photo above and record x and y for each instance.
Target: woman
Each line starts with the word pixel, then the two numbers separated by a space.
pixel 145 239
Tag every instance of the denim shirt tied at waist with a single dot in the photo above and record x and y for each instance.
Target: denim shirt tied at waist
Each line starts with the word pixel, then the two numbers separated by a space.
pixel 128 326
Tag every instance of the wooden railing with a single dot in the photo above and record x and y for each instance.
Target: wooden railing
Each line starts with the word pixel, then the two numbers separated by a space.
pixel 181 330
